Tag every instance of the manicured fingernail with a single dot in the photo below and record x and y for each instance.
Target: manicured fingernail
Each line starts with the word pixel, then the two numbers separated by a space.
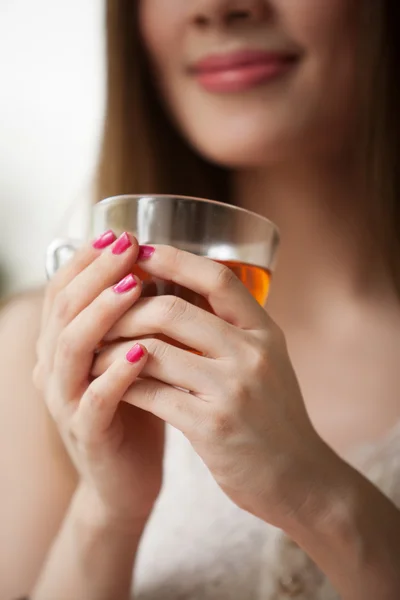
pixel 126 285
pixel 122 244
pixel 145 252
pixel 106 239
pixel 135 354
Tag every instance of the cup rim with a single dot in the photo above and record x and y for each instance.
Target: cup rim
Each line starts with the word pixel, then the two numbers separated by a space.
pixel 112 199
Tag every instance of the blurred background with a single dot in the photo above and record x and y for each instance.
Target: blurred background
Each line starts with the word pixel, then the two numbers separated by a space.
pixel 51 111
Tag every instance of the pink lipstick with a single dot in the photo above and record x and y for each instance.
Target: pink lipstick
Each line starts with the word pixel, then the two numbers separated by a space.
pixel 241 71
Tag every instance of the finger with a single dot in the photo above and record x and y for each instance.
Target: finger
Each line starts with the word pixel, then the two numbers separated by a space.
pixel 179 320
pixel 82 258
pixel 169 364
pixel 78 342
pixel 97 408
pixel 217 283
pixel 113 264
pixel 176 407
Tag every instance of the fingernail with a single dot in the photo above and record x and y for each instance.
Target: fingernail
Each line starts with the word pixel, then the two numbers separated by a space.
pixel 125 285
pixel 122 244
pixel 135 354
pixel 145 252
pixel 106 239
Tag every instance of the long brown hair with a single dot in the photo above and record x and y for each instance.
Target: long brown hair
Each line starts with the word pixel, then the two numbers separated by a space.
pixel 142 152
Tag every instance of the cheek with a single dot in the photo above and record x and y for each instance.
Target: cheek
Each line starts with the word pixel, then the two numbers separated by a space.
pixel 161 24
pixel 321 28
pixel 328 31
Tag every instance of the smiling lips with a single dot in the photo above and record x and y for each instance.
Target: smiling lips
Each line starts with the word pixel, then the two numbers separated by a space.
pixel 241 71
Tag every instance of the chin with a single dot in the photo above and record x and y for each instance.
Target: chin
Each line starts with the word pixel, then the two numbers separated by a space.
pixel 250 133
pixel 241 152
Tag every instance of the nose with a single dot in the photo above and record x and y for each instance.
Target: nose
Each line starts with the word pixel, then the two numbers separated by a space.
pixel 228 12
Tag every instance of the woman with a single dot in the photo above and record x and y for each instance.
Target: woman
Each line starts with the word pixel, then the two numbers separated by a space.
pixel 289 109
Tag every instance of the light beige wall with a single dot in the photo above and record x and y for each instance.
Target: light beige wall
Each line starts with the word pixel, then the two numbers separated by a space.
pixel 51 107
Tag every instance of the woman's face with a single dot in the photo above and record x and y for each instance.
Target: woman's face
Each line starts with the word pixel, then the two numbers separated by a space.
pixel 250 82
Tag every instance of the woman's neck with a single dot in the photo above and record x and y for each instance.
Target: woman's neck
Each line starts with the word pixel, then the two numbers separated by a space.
pixel 329 253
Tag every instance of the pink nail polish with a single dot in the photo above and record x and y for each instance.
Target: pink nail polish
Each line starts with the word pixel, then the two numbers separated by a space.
pixel 145 252
pixel 122 244
pixel 106 239
pixel 126 285
pixel 135 354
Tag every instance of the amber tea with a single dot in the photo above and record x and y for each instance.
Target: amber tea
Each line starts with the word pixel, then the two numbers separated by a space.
pixel 256 279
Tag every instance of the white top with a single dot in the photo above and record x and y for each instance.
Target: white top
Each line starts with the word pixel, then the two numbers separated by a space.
pixel 199 546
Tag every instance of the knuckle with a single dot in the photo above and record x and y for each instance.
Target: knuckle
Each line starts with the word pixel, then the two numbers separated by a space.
pixel 222 425
pixel 62 307
pixel 151 392
pixel 78 436
pixel 272 334
pixel 174 257
pixel 225 279
pixel 258 359
pixel 103 319
pixel 95 399
pixel 72 433
pixel 66 347
pixel 55 406
pixel 158 350
pixel 105 308
pixel 173 308
pixel 238 392
pixel 155 395
pixel 80 426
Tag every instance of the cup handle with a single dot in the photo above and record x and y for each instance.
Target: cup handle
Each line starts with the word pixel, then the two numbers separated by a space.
pixel 58 253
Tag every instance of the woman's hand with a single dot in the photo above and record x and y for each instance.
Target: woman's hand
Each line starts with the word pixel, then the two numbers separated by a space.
pixel 243 410
pixel 116 448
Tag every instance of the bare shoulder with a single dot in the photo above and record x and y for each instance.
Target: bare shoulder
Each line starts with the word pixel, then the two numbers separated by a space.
pixel 20 319
pixel 39 475
pixel 20 322
pixel 22 310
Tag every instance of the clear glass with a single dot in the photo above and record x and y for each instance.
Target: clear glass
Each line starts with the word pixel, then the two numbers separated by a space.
pixel 242 240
